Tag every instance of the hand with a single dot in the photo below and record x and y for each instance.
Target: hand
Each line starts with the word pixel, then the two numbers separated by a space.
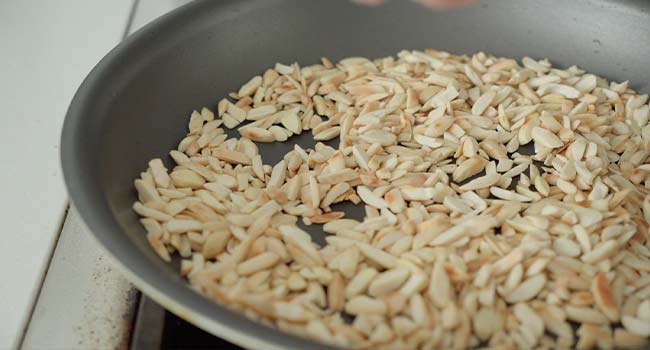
pixel 434 4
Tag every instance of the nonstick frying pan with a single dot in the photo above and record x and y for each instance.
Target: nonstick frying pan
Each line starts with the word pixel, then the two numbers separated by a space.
pixel 135 103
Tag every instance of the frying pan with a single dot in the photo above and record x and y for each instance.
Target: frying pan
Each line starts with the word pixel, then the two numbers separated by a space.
pixel 135 104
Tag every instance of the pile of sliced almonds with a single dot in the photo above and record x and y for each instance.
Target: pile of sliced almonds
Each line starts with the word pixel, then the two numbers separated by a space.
pixel 467 240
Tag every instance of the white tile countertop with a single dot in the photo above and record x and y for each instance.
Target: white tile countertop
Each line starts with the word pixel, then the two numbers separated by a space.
pixel 48 47
pixel 47 50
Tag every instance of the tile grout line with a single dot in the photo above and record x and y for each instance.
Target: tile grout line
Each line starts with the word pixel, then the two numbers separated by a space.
pixel 46 268
pixel 129 21
pixel 66 212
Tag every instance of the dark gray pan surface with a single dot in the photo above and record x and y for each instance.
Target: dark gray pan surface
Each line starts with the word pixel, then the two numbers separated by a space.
pixel 135 104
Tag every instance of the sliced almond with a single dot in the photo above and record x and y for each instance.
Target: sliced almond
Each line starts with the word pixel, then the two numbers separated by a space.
pixel 232 157
pixel 257 134
pixel 546 138
pixel 186 178
pixel 250 87
pixel 527 289
pixel 370 198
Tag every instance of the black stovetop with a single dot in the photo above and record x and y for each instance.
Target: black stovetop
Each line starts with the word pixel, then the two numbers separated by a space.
pixel 157 328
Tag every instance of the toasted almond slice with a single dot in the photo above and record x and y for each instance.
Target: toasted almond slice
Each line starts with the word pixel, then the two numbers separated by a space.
pixel 261 112
pixel 222 185
pixel 428 141
pixel 257 263
pixel 440 289
pixel 182 226
pixel 475 226
pixel 258 168
pixel 361 157
pixel 327 217
pixel 146 191
pixel 394 200
pixel 336 293
pixel 250 87
pixel 328 134
pixel 564 90
pixel 507 262
pixel 229 121
pixel 585 315
pixel 365 305
pixel 349 260
pixel 566 247
pixel 215 243
pixel 269 208
pixel 381 137
pixel 360 282
pixel 314 191
pixel 508 195
pixel 257 134
pixel 445 96
pixel 196 122
pixel 412 193
pixel 293 188
pixel 370 198
pixel 529 318
pixel 291 121
pixel 604 298
pixel 588 216
pixel 485 322
pixel 388 281
pixel 186 178
pixel 451 235
pixel 236 112
pixel 158 246
pixel 278 175
pixel 469 168
pixel 546 138
pixel 378 256
pixel 280 134
pixel 295 235
pixel 541 185
pixel 232 157
pixel 527 289
pixel 159 173
pixel 439 123
pixel 334 192
pixel 481 182
pixel 600 252
pixel 338 176
pixel 416 282
pixel 566 186
pixel 582 236
pixel 483 102
pixel 207 114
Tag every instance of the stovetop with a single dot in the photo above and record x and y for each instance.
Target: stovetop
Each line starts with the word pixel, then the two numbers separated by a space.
pixel 157 328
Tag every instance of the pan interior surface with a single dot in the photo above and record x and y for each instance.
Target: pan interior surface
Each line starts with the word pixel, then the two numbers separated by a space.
pixel 134 105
